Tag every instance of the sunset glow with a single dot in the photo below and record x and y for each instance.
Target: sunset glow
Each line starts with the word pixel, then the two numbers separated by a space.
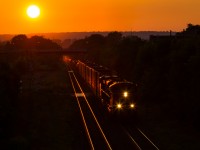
pixel 33 11
pixel 104 15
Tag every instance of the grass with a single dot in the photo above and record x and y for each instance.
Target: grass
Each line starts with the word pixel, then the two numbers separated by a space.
pixel 168 133
pixel 48 116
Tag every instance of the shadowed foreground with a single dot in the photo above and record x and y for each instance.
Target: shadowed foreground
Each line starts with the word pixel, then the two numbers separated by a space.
pixel 46 115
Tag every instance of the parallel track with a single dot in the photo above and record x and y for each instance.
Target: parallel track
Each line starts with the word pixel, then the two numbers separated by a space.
pixel 141 140
pixel 133 137
pixel 94 131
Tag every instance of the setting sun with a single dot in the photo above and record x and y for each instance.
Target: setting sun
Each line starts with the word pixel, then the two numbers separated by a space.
pixel 50 16
pixel 33 11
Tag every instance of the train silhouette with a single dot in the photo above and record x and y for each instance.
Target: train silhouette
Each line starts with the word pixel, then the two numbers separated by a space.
pixel 116 94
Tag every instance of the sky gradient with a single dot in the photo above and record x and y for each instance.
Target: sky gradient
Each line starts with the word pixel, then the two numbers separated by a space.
pixel 98 15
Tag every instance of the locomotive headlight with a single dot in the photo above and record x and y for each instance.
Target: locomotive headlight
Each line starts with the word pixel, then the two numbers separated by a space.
pixel 132 105
pixel 119 106
pixel 125 94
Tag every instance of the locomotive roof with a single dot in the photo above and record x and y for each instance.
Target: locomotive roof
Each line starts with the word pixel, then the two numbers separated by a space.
pixel 108 76
pixel 121 84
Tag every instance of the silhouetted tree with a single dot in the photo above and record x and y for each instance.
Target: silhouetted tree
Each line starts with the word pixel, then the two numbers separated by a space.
pixel 127 53
pixel 95 45
pixel 39 42
pixel 108 54
pixel 113 38
pixel 8 46
pixel 19 42
pixel 80 44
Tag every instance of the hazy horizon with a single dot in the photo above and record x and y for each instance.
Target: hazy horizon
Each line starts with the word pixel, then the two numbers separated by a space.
pixel 76 35
pixel 96 31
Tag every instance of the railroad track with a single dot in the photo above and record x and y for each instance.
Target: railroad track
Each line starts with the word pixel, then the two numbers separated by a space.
pixel 96 136
pixel 139 138
pixel 118 135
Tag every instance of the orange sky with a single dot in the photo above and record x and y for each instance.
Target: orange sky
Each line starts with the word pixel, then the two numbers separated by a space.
pixel 98 15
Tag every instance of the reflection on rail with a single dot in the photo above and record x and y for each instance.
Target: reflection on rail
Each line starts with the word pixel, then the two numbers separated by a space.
pixel 80 94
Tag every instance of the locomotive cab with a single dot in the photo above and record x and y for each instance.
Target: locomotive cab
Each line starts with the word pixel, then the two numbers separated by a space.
pixel 122 97
pixel 105 93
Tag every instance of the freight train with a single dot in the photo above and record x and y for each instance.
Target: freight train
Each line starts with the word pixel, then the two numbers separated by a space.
pixel 117 94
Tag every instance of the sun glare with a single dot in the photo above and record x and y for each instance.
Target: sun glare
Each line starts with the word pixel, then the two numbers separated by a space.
pixel 33 11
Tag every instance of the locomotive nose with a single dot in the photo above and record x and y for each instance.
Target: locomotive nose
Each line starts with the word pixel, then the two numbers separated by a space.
pixel 125 94
pixel 132 105
pixel 119 106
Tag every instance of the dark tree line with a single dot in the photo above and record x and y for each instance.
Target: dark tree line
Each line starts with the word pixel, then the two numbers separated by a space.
pixel 22 42
pixel 165 68
pixel 13 66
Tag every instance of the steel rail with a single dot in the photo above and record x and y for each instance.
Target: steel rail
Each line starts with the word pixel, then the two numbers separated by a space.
pixel 142 133
pixel 132 139
pixel 147 138
pixel 83 118
pixel 97 122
